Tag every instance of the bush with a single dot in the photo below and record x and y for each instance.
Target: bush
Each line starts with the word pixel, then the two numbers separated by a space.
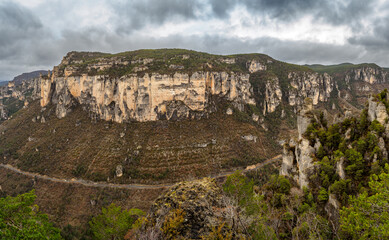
pixel 279 184
pixel 113 223
pixel 323 195
pixel 173 224
pixel 377 127
pixel 356 164
pixel 21 219
pixel 79 170
pixel 367 217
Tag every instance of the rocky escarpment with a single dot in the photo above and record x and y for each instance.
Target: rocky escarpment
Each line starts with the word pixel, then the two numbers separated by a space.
pixel 135 86
pixel 149 97
pixel 16 95
pixel 192 210
pixel 297 161
pixel 315 140
pixel 367 74
pixel 144 92
pixel 354 83
pixel 316 86
pixel 149 85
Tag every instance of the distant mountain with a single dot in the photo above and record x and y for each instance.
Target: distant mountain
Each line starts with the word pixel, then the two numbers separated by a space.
pixel 26 76
pixel 340 68
pixel 3 82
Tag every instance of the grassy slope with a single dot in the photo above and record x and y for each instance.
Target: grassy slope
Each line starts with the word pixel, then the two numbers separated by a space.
pixel 150 152
pixel 74 204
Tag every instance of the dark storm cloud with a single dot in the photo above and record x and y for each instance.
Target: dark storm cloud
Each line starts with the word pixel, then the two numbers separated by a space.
pixel 37 37
pixel 332 11
pixel 134 15
pixel 16 25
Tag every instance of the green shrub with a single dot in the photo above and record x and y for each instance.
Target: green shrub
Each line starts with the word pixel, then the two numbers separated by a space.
pixel 79 170
pixel 377 127
pixel 367 216
pixel 20 218
pixel 323 195
pixel 279 184
pixel 355 164
pixel 113 222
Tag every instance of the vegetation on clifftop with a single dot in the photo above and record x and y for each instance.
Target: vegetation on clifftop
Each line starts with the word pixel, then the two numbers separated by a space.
pixel 339 68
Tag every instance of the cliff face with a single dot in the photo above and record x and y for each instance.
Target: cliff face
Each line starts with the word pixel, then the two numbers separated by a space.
pixel 16 95
pixel 297 159
pixel 153 88
pixel 150 97
pixel 180 84
pixel 316 86
pixel 367 74
pixel 299 154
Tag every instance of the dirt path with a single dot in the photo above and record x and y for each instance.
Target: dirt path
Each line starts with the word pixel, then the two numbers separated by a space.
pixel 126 186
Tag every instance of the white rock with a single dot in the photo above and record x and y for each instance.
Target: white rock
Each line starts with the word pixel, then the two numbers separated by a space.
pixel 119 171
pixel 255 117
pixel 250 138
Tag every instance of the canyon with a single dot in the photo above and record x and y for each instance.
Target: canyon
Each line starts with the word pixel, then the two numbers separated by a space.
pixel 168 115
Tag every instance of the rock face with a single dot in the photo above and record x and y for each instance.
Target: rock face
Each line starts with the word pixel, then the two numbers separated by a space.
pixel 137 86
pixel 273 95
pixel 377 111
pixel 297 159
pixel 196 206
pixel 144 94
pixel 3 112
pixel 316 86
pixel 255 66
pixel 300 85
pixel 146 98
pixel 17 94
pixel 367 74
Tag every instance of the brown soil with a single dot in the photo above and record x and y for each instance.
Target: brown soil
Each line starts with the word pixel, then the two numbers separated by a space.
pixel 151 152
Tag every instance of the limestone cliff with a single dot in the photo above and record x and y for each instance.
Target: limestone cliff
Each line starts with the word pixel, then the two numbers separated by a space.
pixel 316 86
pixel 367 74
pixel 297 155
pixel 150 97
pixel 16 95
pixel 149 85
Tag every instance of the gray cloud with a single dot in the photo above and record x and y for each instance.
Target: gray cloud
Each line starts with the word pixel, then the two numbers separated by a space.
pixel 332 11
pixel 134 15
pixel 38 37
pixel 16 25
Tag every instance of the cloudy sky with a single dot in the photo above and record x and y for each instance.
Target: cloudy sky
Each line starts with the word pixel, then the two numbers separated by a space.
pixel 36 34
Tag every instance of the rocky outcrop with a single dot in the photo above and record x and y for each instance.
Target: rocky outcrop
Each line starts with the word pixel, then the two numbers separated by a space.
pixel 273 95
pixel 316 86
pixel 195 207
pixel 143 88
pixel 297 159
pixel 377 111
pixel 367 74
pixel 16 95
pixel 3 112
pixel 255 66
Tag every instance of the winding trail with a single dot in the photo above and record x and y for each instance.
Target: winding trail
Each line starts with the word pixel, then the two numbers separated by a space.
pixel 127 186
